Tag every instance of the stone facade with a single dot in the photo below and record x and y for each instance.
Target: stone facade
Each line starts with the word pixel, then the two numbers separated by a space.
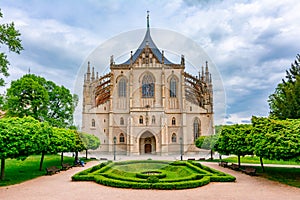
pixel 148 104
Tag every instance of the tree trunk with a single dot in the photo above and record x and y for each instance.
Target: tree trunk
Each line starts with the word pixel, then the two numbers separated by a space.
pixel 61 158
pixel 42 160
pixel 262 164
pixel 239 161
pixel 76 156
pixel 86 153
pixel 2 168
pixel 211 154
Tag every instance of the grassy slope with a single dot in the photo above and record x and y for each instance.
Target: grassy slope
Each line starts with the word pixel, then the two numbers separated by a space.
pixel 17 171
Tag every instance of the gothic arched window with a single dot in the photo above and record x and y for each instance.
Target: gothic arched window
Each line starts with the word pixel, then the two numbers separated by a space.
pixel 196 127
pixel 93 123
pixel 122 87
pixel 174 138
pixel 173 87
pixel 121 121
pixel 153 119
pixel 148 86
pixel 122 138
pixel 141 120
pixel 173 121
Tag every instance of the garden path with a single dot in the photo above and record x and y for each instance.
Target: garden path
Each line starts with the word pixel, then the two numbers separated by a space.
pixel 60 186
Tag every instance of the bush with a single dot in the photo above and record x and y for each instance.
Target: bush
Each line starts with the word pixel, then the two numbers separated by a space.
pixel 199 175
pixel 152 179
pixel 144 175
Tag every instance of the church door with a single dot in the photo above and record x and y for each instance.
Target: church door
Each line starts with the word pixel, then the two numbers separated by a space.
pixel 147 148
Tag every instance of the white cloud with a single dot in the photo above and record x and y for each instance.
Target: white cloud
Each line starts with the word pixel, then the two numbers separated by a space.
pixel 251 42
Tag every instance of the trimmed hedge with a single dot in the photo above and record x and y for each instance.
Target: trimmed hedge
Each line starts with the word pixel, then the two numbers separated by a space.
pixel 105 174
pixel 145 176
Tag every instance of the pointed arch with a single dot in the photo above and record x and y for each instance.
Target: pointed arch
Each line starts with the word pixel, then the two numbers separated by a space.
pixel 173 121
pixel 148 86
pixel 121 121
pixel 196 128
pixel 173 87
pixel 141 120
pixel 93 123
pixel 174 138
pixel 122 87
pixel 121 138
pixel 153 119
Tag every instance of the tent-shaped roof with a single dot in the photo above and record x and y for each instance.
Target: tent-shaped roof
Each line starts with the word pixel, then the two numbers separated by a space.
pixel 148 41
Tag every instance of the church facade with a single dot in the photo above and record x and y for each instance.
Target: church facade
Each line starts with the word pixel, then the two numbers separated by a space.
pixel 148 104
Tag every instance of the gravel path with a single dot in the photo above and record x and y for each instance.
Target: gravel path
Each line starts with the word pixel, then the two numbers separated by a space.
pixel 60 186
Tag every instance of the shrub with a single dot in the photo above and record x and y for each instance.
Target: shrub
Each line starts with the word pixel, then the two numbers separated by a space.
pixel 199 175
pixel 144 175
pixel 152 179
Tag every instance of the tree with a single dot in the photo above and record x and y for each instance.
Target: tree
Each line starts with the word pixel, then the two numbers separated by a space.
pixel 285 102
pixel 9 37
pixel 207 142
pixel 276 139
pixel 26 97
pixel 34 96
pixel 90 142
pixel 233 140
pixel 16 139
pixel 61 105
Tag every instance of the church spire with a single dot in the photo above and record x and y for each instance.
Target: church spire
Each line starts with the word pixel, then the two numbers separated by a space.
pixel 147 43
pixel 148 25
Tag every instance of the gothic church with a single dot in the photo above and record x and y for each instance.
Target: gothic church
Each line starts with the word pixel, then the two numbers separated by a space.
pixel 148 104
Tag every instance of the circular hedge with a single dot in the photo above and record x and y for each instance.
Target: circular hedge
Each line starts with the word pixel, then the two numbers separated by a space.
pixel 152 174
pixel 147 174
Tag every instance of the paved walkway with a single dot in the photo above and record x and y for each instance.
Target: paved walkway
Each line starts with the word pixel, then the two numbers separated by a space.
pixel 60 186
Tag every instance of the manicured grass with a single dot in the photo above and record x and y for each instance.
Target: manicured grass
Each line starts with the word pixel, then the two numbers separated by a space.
pixel 255 160
pixel 289 176
pixel 285 175
pixel 152 174
pixel 17 171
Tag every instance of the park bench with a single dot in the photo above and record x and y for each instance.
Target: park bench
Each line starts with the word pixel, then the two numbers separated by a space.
pixel 52 170
pixel 103 158
pixel 191 159
pixel 201 158
pixel 250 171
pixel 223 164
pixel 66 166
pixel 234 166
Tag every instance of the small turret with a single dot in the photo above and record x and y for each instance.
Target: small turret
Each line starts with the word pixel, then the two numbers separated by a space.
pixel 131 58
pixel 111 60
pixel 182 60
pixel 93 74
pixel 206 73
pixel 202 75
pixel 88 74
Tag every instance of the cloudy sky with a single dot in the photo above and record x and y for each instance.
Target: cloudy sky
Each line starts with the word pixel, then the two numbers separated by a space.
pixel 252 43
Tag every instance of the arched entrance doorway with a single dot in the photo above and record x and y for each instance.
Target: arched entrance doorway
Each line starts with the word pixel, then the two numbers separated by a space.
pixel 147 143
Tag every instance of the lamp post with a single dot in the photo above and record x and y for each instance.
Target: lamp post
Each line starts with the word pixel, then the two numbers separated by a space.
pixel 115 140
pixel 181 152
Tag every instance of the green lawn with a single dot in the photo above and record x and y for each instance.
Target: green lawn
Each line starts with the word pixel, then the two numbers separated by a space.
pixel 17 171
pixel 255 160
pixel 289 176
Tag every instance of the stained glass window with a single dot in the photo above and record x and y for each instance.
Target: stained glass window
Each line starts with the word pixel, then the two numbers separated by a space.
pixel 148 86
